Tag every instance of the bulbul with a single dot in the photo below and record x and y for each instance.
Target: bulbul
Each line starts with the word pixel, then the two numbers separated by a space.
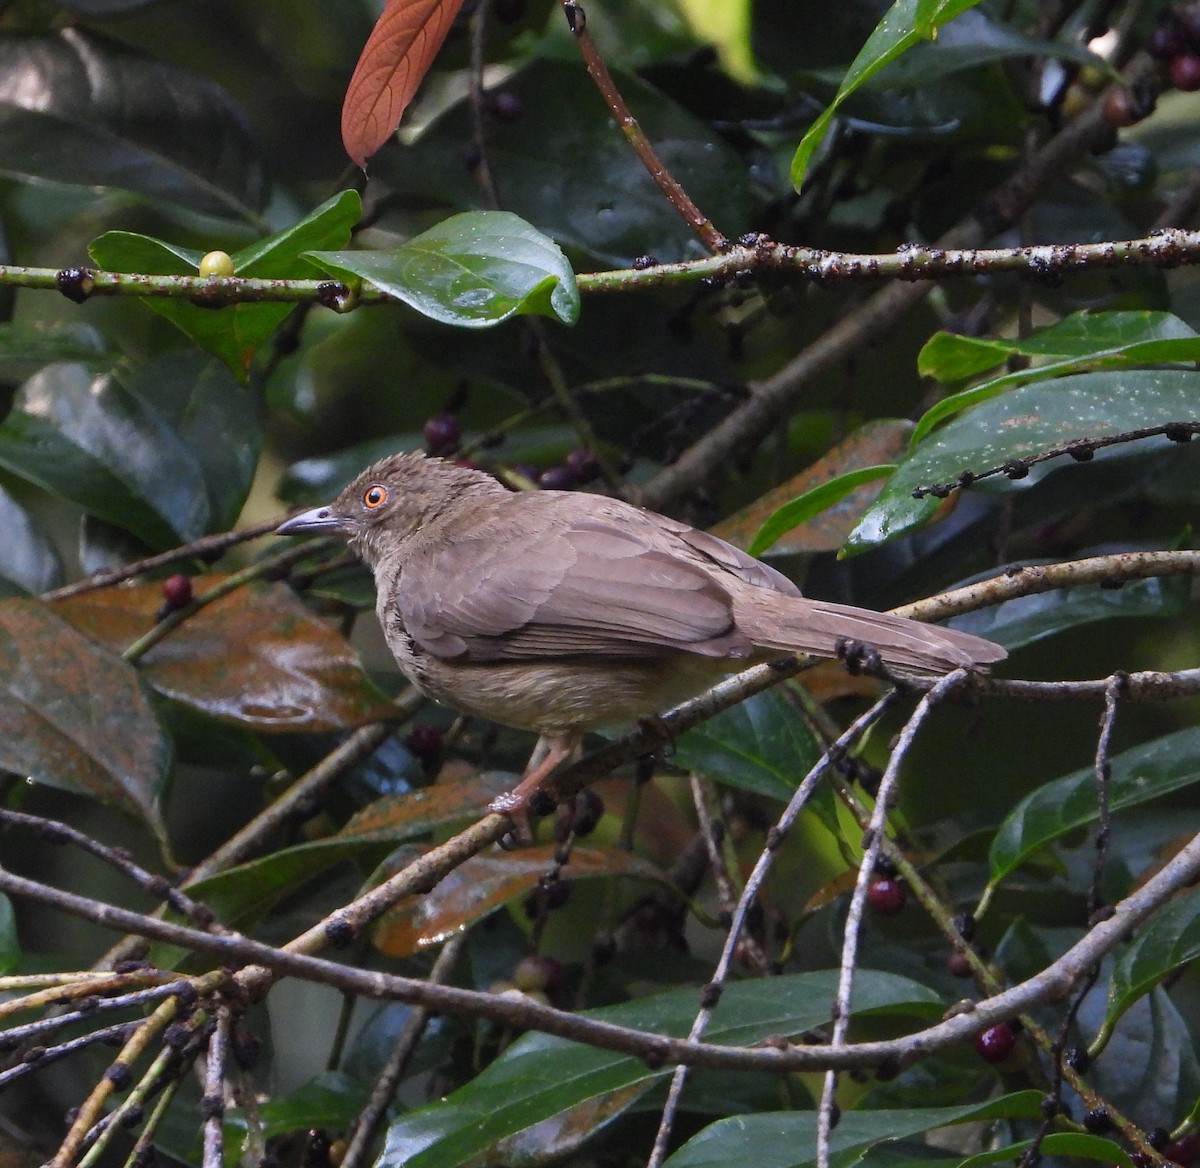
pixel 563 612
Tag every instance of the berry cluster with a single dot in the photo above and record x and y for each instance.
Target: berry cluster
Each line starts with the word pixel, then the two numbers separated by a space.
pixel 1176 43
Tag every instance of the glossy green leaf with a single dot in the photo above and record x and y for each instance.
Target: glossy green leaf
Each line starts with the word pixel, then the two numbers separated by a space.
pixel 789 1139
pixel 233 333
pixel 73 715
pixel 81 435
pixel 904 25
pixel 1167 942
pixel 564 167
pixel 1083 340
pixel 472 270
pixel 77 108
pixel 811 503
pixel 1085 336
pixel 1076 1145
pixel 255 658
pixel 29 561
pixel 165 449
pixel 759 745
pixel 1064 805
pixel 1023 422
pixel 540 1077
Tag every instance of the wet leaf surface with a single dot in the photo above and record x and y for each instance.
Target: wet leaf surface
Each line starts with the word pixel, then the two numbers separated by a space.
pixel 74 715
pixel 485 883
pixel 257 657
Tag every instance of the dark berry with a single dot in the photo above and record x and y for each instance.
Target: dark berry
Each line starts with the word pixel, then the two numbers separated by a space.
pixel 1184 72
pixel 557 478
pixel 1158 1138
pixel 1166 41
pixel 506 106
pixel 957 964
pixel 887 895
pixel 1118 109
pixel 1098 1121
pixel 965 924
pixel 538 973
pixel 582 463
pixel 996 1043
pixel 424 741
pixel 177 591
pixel 441 432
pixel 1184 1151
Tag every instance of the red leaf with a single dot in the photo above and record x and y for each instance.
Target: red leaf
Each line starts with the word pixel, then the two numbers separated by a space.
pixel 395 59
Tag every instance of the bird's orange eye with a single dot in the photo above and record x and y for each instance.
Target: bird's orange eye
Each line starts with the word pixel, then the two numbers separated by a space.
pixel 374 497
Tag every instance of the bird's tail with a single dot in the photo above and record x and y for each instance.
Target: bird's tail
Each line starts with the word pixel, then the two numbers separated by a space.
pixel 800 625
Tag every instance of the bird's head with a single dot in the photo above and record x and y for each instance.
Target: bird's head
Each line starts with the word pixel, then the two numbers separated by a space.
pixel 397 496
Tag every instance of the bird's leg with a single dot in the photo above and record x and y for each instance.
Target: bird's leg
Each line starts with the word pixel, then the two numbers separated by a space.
pixel 551 749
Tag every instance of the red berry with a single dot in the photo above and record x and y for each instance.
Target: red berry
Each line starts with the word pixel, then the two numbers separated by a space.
pixel 177 591
pixel 442 432
pixel 1184 1151
pixel 424 741
pixel 996 1043
pixel 1184 72
pixel 557 478
pixel 887 895
pixel 1118 109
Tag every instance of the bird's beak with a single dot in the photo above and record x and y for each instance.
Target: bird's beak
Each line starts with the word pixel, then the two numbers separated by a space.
pixel 318 521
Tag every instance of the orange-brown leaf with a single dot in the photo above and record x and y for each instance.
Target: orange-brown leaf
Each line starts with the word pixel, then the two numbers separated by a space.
pixel 395 59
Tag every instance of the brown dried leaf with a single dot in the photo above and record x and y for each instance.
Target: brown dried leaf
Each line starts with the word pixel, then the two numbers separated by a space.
pixel 483 884
pixel 394 61
pixel 256 658
pixel 74 715
pixel 872 444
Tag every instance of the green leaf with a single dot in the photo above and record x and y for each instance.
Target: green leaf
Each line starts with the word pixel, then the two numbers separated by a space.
pixel 165 450
pixel 29 561
pixel 74 715
pixel 236 332
pixel 789 1139
pixel 81 435
pixel 904 25
pixel 1021 423
pixel 472 270
pixel 759 745
pixel 1082 340
pixel 10 949
pixel 28 345
pixel 540 1076
pixel 1170 940
pixel 91 113
pixel 802 509
pixel 1080 1145
pixel 1067 804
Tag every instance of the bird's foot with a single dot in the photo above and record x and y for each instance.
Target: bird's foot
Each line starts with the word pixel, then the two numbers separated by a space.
pixel 529 798
pixel 522 808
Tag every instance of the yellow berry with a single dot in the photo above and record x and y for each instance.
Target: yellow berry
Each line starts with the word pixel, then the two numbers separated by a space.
pixel 216 263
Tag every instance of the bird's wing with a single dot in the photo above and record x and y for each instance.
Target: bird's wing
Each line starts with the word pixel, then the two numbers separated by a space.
pixel 585 585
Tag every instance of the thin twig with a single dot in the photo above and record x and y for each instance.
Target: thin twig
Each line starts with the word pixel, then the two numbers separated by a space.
pixel 873 837
pixel 372 1116
pixel 634 135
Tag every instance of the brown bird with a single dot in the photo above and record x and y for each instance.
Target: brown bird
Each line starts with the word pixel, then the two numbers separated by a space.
pixel 564 612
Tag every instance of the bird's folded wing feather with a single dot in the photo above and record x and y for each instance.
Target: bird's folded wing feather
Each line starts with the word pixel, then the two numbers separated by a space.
pixel 518 591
